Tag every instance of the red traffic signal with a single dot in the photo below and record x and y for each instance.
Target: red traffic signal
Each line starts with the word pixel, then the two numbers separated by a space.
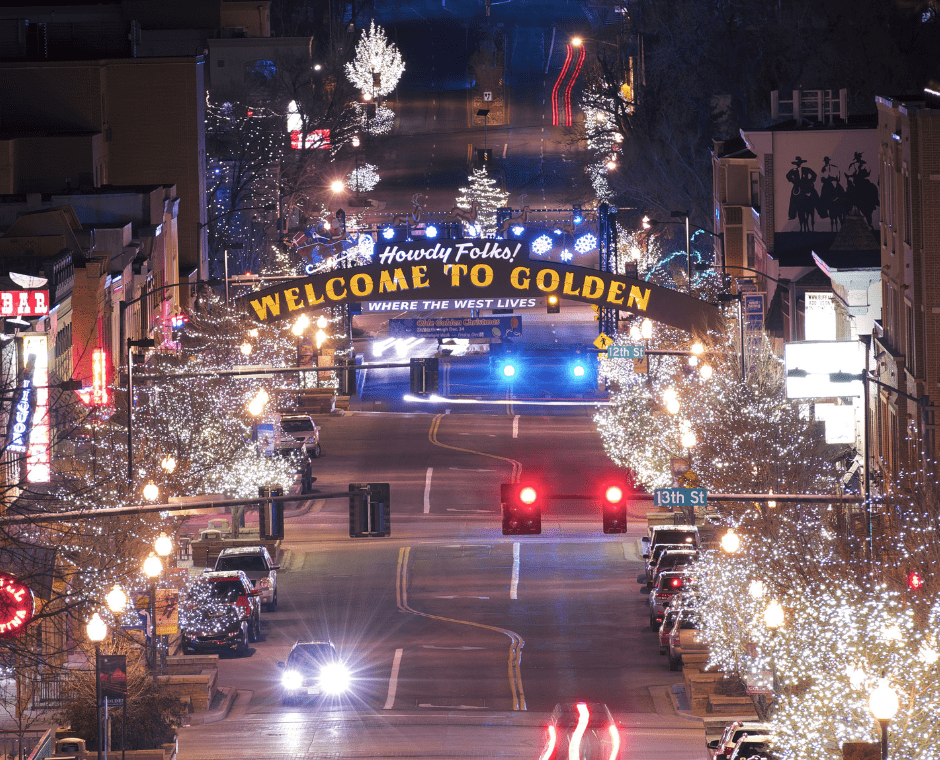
pixel 521 509
pixel 915 581
pixel 614 507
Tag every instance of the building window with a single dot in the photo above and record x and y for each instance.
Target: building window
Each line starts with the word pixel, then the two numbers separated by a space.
pixel 755 189
pixel 260 71
pixel 751 251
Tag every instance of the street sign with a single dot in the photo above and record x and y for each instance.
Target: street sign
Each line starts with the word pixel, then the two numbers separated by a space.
pixel 603 341
pixel 680 497
pixel 626 352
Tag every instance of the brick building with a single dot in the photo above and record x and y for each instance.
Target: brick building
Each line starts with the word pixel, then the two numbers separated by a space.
pixel 907 340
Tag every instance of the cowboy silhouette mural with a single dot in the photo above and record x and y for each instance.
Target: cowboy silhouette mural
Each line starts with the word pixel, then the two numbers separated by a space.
pixel 803 197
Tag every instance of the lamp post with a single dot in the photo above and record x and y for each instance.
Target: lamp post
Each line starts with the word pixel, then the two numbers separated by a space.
pixel 883 703
pixel 152 569
pixel 97 630
pixel 116 600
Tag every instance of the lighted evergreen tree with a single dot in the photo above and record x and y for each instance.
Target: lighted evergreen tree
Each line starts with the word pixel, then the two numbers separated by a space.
pixel 485 196
pixel 377 66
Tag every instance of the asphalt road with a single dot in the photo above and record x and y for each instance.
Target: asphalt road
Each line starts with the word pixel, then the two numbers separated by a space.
pixel 461 639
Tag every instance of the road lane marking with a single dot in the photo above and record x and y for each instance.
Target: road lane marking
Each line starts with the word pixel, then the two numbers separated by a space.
pixel 515 426
pixel 432 437
pixel 427 491
pixel 452 707
pixel 472 469
pixel 514 583
pixel 516 641
pixel 460 596
pixel 393 681
pixel 471 511
pixel 451 649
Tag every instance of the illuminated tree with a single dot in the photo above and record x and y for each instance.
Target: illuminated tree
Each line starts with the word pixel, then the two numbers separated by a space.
pixel 484 193
pixel 377 66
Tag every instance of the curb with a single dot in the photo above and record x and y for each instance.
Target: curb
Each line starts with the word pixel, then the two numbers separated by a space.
pixel 680 703
pixel 219 713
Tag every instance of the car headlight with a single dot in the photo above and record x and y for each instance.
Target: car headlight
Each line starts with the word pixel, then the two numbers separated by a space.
pixel 334 678
pixel 292 680
pixel 264 583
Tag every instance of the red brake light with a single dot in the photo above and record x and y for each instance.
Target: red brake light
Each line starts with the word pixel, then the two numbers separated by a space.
pixel 614 494
pixel 614 741
pixel 676 583
pixel 574 744
pixel 527 495
pixel 915 581
pixel 549 752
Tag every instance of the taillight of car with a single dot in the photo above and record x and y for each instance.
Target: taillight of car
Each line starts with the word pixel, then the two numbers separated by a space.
pixel 549 752
pixel 614 741
pixel 676 583
pixel 574 744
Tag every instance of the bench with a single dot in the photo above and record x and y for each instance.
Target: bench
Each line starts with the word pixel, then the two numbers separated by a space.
pixel 720 705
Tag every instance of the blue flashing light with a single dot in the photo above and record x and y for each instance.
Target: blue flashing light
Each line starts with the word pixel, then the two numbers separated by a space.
pixel 388 233
pixel 558 230
pixel 430 231
pixel 578 370
pixel 509 370
pixel 578 218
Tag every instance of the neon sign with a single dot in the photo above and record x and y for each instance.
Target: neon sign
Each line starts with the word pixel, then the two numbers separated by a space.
pixel 17 606
pixel 24 303
pixel 22 418
pixel 98 394
pixel 38 457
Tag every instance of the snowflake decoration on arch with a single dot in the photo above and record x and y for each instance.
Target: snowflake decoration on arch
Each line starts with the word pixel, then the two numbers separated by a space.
pixel 542 245
pixel 566 255
pixel 585 243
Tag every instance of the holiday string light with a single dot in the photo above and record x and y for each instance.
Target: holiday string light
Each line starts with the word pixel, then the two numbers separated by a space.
pixel 486 193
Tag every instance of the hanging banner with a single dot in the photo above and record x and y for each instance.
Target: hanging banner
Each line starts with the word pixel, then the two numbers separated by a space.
pixel 113 670
pixel 493 328
pixel 166 611
pixel 478 269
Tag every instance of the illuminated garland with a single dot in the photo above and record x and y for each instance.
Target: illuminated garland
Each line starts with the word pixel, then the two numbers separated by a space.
pixel 485 192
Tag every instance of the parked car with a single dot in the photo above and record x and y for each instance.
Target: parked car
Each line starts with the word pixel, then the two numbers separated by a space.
pixel 667 585
pixel 665 628
pixel 653 558
pixel 722 747
pixel 685 638
pixel 669 534
pixel 751 746
pixel 313 669
pixel 585 730
pixel 672 559
pixel 256 563
pixel 220 610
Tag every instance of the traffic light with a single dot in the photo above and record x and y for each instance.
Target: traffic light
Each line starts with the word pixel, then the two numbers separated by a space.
pixel 915 581
pixel 271 514
pixel 484 155
pixel 521 509
pixel 424 375
pixel 614 507
pixel 346 375
pixel 369 510
pixel 553 304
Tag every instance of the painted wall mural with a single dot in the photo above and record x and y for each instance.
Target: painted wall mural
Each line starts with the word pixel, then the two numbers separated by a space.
pixel 820 177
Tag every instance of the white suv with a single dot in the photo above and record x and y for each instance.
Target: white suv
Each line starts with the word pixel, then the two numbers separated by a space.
pixel 300 431
pixel 257 564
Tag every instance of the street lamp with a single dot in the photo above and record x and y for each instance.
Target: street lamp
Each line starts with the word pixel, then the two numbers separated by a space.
pixel 152 569
pixel 883 703
pixel 116 600
pixel 151 491
pixel 163 545
pixel 730 542
pixel 97 630
pixel 774 617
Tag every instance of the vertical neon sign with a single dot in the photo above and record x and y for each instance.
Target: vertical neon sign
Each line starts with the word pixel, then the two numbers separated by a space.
pixel 38 456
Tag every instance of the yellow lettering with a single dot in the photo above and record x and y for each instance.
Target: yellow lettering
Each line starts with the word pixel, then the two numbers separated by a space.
pixel 569 281
pixel 455 271
pixel 419 277
pixel 267 302
pixel 593 287
pixel 547 280
pixel 388 283
pixel 291 295
pixel 638 297
pixel 365 288
pixel 517 280
pixel 331 289
pixel 312 298
pixel 485 279
pixel 616 289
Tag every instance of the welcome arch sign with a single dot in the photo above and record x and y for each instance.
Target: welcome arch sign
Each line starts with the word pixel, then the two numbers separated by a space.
pixel 478 269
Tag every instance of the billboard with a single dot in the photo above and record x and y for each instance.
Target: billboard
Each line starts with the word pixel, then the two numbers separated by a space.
pixel 821 368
